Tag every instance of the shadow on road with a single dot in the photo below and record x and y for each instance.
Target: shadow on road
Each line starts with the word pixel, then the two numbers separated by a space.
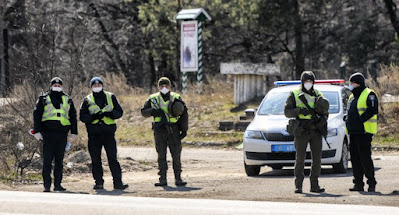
pixel 323 195
pixel 180 189
pixel 112 192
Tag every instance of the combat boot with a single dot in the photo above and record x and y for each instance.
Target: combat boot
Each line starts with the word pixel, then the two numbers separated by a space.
pixel 180 182
pixel 120 186
pixel 161 183
pixel 298 190
pixel 98 187
pixel 315 188
pixel 59 188
pixel 371 186
pixel 356 188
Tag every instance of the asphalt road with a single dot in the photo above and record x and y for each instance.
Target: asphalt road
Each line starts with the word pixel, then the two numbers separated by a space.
pixel 219 174
pixel 13 202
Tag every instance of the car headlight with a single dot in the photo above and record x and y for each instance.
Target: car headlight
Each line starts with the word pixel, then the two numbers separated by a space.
pixel 253 134
pixel 332 132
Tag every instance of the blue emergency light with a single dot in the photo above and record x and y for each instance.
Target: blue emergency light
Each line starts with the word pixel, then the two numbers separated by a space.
pixel 327 81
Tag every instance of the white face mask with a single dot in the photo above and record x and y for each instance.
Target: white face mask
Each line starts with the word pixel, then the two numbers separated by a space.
pixel 351 87
pixel 56 89
pixel 164 90
pixel 97 89
pixel 308 86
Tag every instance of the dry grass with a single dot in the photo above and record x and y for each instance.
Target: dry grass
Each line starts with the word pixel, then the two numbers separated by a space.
pixel 387 83
pixel 205 112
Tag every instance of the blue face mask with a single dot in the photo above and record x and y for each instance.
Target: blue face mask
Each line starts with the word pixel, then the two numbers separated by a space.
pixel 351 87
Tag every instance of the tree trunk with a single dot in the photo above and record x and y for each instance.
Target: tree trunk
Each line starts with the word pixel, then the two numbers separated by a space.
pixel 299 56
pixel 391 7
pixel 2 64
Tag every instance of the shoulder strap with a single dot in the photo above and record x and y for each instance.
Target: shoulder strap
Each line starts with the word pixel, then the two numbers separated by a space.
pixel 305 102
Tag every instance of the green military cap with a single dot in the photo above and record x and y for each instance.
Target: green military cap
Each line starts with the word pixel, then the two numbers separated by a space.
pixel 163 80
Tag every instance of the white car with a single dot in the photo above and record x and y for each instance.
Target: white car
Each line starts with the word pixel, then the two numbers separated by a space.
pixel 267 142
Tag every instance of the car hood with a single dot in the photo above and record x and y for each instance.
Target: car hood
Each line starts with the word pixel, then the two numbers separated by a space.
pixel 278 123
pixel 269 123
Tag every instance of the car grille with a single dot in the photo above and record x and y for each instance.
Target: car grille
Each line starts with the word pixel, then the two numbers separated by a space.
pixel 285 155
pixel 278 137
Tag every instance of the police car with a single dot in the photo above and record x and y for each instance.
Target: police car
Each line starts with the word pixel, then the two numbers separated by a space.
pixel 267 142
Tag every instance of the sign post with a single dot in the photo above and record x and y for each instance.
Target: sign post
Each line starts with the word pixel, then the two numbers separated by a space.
pixel 191 44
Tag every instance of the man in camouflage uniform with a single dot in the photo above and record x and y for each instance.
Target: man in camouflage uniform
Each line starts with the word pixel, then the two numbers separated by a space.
pixel 309 128
pixel 170 126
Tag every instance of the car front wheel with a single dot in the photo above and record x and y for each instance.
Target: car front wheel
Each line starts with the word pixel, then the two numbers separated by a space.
pixel 342 166
pixel 252 170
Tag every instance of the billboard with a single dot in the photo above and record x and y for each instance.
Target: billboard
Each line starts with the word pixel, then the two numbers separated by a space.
pixel 189 47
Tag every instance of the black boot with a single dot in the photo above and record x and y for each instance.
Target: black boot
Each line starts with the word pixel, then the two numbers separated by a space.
pixel 315 188
pixel 120 186
pixel 298 190
pixel 180 182
pixel 98 187
pixel 161 183
pixel 46 189
pixel 59 188
pixel 371 185
pixel 356 188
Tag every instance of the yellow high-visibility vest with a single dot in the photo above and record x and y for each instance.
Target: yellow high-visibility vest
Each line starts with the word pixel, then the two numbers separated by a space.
pixel 370 126
pixel 309 98
pixel 61 114
pixel 94 108
pixel 157 102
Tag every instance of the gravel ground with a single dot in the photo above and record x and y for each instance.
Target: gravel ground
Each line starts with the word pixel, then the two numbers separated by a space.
pixel 219 174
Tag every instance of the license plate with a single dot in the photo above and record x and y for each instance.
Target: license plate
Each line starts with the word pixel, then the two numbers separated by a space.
pixel 283 148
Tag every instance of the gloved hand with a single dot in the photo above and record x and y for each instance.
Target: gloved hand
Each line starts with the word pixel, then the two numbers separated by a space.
pixel 98 115
pixel 72 137
pixel 38 136
pixel 108 114
pixel 305 111
pixel 183 134
pixel 156 112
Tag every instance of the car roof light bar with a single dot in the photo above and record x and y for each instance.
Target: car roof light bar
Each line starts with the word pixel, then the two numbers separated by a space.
pixel 327 81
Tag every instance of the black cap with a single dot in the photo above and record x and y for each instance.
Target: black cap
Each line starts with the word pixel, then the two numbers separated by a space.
pixel 307 75
pixel 56 80
pixel 357 78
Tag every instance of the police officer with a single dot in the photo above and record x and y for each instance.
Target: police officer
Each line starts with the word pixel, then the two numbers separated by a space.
pixel 54 116
pixel 362 125
pixel 309 129
pixel 170 126
pixel 98 111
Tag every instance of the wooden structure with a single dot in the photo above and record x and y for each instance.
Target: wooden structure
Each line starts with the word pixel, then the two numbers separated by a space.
pixel 249 79
pixel 199 15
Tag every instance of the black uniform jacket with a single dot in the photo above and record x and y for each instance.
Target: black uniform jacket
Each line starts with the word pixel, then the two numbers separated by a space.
pixel 101 100
pixel 354 122
pixel 53 125
pixel 182 123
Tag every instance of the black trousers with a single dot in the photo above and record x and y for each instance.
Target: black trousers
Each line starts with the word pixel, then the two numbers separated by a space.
pixel 53 149
pixel 163 139
pixel 96 142
pixel 362 164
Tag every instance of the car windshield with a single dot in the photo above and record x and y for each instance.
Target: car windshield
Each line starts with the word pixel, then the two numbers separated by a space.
pixel 274 102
